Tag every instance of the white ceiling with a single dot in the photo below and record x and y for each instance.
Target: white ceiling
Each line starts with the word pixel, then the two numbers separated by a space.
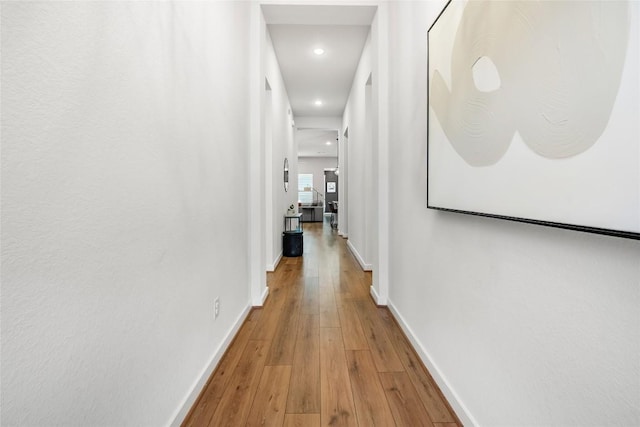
pixel 309 77
pixel 295 31
pixel 313 143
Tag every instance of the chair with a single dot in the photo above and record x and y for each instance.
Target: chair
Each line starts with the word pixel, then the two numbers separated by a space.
pixel 333 208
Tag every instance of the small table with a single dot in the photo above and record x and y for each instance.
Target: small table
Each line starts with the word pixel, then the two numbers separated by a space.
pixel 292 243
pixel 287 222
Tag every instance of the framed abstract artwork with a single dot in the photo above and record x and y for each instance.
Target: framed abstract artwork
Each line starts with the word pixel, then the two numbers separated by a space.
pixel 534 113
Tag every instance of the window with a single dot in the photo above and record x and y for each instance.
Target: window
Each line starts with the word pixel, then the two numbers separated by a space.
pixel 305 187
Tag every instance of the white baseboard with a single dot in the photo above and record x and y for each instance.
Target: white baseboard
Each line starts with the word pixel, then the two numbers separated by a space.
pixel 272 267
pixel 451 396
pixel 364 265
pixel 188 402
pixel 376 297
pixel 264 296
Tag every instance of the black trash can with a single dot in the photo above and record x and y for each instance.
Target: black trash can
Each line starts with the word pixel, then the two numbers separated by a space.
pixel 292 243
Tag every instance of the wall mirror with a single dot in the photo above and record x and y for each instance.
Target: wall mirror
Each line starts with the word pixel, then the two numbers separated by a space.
pixel 286 174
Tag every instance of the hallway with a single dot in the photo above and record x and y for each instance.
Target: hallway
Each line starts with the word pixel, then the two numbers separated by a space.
pixel 320 353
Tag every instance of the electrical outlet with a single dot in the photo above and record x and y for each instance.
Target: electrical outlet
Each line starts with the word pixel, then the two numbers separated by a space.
pixel 216 307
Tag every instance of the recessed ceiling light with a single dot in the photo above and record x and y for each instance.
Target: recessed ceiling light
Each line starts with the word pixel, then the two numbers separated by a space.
pixel 318 51
pixel 318 102
pixel 328 143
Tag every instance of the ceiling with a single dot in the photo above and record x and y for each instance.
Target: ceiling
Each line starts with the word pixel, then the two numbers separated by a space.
pixel 296 30
pixel 309 77
pixel 313 143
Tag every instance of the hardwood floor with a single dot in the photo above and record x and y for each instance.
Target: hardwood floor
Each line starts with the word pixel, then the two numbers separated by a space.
pixel 320 353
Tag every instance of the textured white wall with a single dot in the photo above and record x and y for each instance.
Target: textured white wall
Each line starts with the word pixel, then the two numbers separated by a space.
pixel 282 145
pixel 124 208
pixel 359 161
pixel 528 325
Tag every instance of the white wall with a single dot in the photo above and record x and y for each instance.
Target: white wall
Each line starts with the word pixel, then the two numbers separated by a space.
pixel 379 116
pixel 318 122
pixel 521 324
pixel 360 186
pixel 282 145
pixel 124 207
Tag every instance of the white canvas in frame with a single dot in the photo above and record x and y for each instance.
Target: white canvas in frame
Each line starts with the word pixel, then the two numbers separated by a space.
pixel 534 112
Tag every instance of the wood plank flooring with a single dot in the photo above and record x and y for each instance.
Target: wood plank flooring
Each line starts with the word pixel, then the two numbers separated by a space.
pixel 320 353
